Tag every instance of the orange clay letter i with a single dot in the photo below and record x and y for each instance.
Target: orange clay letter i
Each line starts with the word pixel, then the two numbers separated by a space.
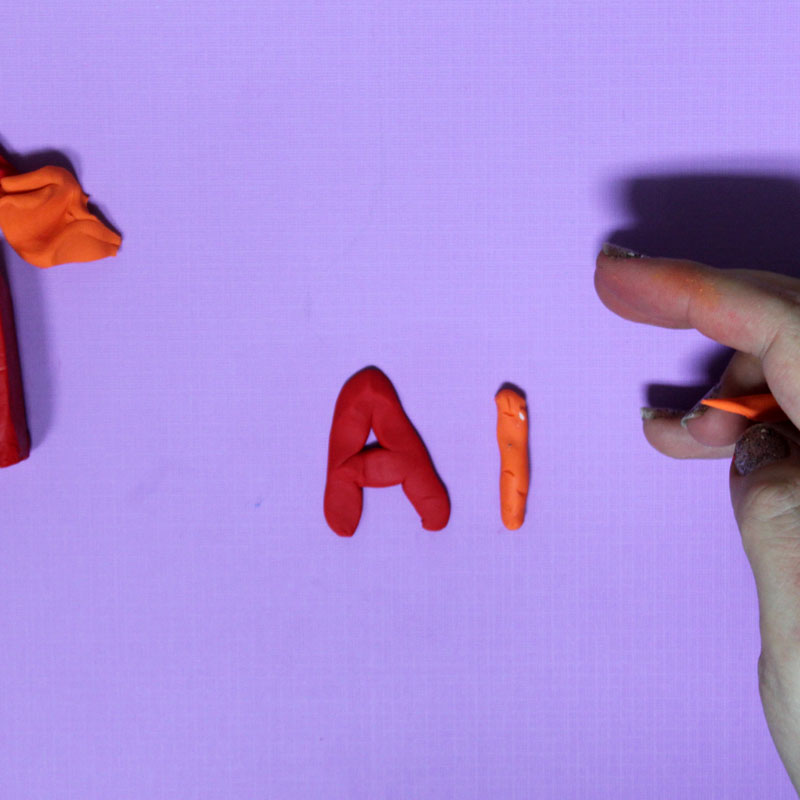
pixel 512 438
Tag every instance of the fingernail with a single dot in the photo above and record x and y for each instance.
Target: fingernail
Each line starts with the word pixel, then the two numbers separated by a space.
pixel 757 446
pixel 659 413
pixel 620 252
pixel 699 409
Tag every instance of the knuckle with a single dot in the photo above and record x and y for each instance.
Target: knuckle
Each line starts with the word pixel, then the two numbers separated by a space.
pixel 773 502
pixel 779 667
pixel 786 328
pixel 769 522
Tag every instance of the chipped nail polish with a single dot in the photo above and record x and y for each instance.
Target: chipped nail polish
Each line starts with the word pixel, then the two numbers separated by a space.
pixel 699 409
pixel 758 446
pixel 659 413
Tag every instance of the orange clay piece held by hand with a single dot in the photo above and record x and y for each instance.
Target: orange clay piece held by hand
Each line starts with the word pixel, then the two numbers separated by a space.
pixel 512 438
pixel 45 218
pixel 758 407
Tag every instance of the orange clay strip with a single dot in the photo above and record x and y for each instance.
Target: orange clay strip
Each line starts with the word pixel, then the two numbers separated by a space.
pixel 512 438
pixel 758 407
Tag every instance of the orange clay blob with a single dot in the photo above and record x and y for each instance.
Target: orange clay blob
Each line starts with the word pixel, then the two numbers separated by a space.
pixel 45 219
pixel 758 407
pixel 512 438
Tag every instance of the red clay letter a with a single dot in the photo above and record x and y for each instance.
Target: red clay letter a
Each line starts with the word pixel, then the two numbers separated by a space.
pixel 368 401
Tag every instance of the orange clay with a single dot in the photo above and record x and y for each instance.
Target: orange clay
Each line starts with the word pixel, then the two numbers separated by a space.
pixel 512 438
pixel 45 219
pixel 758 407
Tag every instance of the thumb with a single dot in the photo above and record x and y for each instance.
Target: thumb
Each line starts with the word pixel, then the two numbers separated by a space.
pixel 765 493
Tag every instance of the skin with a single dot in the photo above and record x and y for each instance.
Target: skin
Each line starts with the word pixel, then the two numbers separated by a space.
pixel 756 313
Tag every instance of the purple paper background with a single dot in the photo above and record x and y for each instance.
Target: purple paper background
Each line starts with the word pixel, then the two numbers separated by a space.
pixel 307 188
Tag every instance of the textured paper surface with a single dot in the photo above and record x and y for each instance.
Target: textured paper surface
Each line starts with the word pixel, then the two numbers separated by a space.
pixel 304 189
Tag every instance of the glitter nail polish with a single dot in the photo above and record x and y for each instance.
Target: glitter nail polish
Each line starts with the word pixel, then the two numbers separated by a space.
pixel 758 446
pixel 616 251
pixel 659 413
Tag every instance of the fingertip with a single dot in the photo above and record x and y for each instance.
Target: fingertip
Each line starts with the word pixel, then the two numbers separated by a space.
pixel 665 434
pixel 714 428
pixel 662 430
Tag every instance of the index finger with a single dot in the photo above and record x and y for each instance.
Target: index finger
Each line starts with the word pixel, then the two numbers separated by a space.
pixel 736 310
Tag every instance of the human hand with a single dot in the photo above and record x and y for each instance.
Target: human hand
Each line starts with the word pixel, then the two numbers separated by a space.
pixel 758 314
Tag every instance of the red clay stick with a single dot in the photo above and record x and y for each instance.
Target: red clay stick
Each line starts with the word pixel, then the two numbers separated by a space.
pixel 44 217
pixel 6 168
pixel 15 443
